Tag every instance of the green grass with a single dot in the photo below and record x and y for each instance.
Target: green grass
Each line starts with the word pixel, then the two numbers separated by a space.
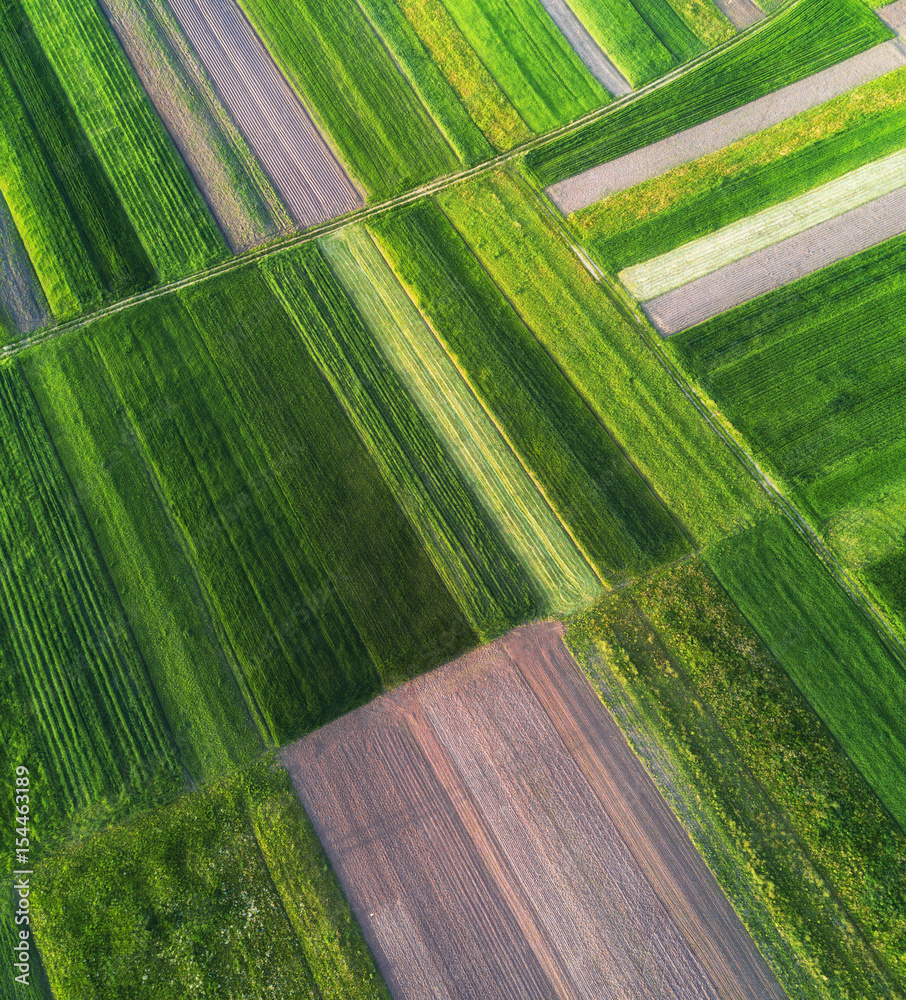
pixel 224 892
pixel 603 355
pixel 80 240
pixel 443 103
pixel 748 176
pixel 826 645
pixel 547 554
pixel 77 706
pixel 144 168
pixel 802 39
pixel 346 76
pixel 610 512
pixel 676 36
pixel 188 665
pixel 794 834
pixel 530 59
pixel 812 375
pixel 471 557
pixel 488 106
pixel 887 580
pixel 705 20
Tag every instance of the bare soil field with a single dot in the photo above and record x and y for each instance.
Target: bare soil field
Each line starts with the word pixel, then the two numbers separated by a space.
pixel 740 13
pixel 498 839
pixel 894 16
pixel 778 265
pixel 626 171
pixel 22 301
pixel 587 49
pixel 312 183
pixel 240 197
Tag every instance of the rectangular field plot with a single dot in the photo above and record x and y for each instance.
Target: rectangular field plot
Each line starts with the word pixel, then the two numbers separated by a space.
pixel 497 838
pixel 304 170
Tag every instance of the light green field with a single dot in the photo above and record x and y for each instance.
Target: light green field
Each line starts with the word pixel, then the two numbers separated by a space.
pixel 558 572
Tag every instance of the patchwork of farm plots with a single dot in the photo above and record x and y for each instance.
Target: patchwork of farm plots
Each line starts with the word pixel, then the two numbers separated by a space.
pixel 477 821
pixel 239 508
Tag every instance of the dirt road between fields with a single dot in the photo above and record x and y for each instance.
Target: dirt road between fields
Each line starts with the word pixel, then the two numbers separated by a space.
pixel 498 839
pixel 626 171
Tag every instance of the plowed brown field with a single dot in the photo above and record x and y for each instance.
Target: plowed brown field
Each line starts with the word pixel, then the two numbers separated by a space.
pixel 498 839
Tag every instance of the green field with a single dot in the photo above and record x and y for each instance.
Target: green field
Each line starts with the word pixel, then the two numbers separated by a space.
pixel 471 557
pixel 590 339
pixel 530 59
pixel 835 442
pixel 549 558
pixel 794 834
pixel 800 40
pixel 225 891
pixel 348 79
pixel 615 519
pixel 78 706
pixel 826 645
pixel 748 176
pixel 489 107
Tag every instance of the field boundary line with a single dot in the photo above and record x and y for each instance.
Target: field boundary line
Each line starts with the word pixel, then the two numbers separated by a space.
pixel 369 211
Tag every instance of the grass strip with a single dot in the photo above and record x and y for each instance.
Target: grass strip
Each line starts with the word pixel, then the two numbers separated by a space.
pixel 616 520
pixel 616 375
pixel 477 567
pixel 826 645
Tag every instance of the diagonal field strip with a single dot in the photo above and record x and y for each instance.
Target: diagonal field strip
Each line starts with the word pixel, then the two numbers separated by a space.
pixel 586 48
pixel 277 127
pixel 597 183
pixel 894 16
pixel 22 299
pixel 740 239
pixel 525 520
pixel 741 13
pixel 779 264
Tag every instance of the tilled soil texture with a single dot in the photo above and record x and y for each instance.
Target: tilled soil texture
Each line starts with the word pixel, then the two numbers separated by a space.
pixel 305 172
pixel 498 839
pixel 626 171
pixel 777 265
pixel 22 302
pixel 741 13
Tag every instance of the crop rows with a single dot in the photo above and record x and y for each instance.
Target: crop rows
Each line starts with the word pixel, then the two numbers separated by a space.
pixel 548 556
pixel 800 40
pixel 78 705
pixel 311 182
pixel 239 194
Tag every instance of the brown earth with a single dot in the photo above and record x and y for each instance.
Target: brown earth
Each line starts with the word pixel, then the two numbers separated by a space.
pixel 498 839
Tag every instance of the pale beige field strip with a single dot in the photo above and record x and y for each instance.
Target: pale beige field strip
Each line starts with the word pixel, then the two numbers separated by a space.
pixel 531 530
pixel 240 197
pixel 497 839
pixel 894 16
pixel 740 13
pixel 301 166
pixel 702 256
pixel 779 264
pixel 587 49
pixel 21 296
pixel 626 171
